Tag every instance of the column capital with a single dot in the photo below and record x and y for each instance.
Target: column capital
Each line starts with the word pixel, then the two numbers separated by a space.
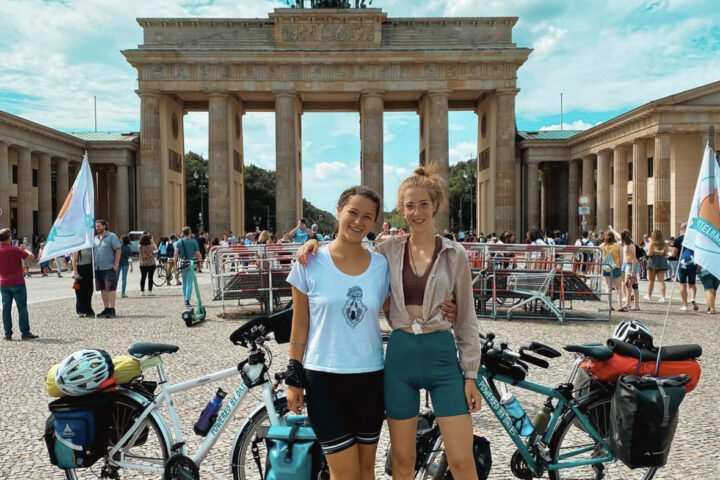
pixel 589 156
pixel 284 93
pixel 147 93
pixel 507 91
pixel 439 92
pixel 621 147
pixel 639 141
pixel 44 155
pixel 372 93
pixel 218 93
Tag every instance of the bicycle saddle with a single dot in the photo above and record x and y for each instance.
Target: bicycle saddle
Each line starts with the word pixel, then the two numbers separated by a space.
pixel 140 349
pixel 597 351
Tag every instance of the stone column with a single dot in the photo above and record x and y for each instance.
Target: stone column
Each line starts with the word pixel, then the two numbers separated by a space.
pixel 437 143
pixel 661 173
pixel 573 193
pixel 533 199
pixel 588 187
pixel 620 181
pixel 505 163
pixel 62 181
pixel 640 178
pixel 25 194
pixel 287 160
pixel 603 190
pixel 150 172
pixel 44 194
pixel 371 146
pixel 5 176
pixel 545 196
pixel 218 165
pixel 122 199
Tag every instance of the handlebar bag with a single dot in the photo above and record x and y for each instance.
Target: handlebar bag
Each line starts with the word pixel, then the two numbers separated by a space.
pixel 76 432
pixel 643 418
pixel 293 452
pixel 611 369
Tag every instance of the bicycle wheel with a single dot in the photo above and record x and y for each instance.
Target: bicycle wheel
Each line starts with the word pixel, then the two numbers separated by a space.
pixel 570 435
pixel 147 447
pixel 159 276
pixel 244 465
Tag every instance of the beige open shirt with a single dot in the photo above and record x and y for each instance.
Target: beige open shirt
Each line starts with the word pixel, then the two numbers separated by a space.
pixel 450 277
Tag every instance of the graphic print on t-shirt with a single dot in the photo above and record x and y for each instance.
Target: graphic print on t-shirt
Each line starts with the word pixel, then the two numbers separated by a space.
pixel 354 309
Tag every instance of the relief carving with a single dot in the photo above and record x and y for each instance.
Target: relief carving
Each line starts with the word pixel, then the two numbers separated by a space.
pixel 181 72
pixel 153 72
pixel 205 72
pixel 308 32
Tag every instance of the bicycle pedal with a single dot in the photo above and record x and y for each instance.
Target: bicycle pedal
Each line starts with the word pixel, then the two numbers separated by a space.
pixel 177 446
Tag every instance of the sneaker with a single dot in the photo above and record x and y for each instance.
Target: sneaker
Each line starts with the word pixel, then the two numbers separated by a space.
pixel 59 276
pixel 123 296
pixel 648 298
pixel 683 308
pixel 111 313
pixel 695 305
pixel 178 283
pixel 150 294
pixel 103 314
pixel 661 300
pixel 82 315
pixel 29 336
pixel 8 337
pixel 142 294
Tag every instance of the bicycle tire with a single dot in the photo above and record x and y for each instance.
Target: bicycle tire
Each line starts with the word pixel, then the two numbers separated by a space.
pixel 242 456
pixel 149 445
pixel 159 276
pixel 597 409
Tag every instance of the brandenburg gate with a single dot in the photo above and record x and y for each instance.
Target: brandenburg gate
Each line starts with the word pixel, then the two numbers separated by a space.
pixel 299 61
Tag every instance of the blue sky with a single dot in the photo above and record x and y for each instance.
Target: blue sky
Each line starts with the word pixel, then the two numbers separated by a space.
pixel 606 57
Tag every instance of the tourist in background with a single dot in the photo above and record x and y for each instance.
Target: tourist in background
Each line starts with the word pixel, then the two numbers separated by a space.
pixel 125 263
pixel 25 246
pixel 83 275
pixel 611 248
pixel 146 260
pixel 201 239
pixel 630 271
pixel 686 271
pixel 186 250
pixel 12 286
pixel 106 254
pixel 710 283
pixel 657 265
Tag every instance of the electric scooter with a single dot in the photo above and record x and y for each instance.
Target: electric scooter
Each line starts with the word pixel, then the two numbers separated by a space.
pixel 195 315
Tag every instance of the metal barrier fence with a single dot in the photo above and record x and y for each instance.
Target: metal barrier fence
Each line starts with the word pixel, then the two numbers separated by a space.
pixel 252 272
pixel 536 281
pixel 530 281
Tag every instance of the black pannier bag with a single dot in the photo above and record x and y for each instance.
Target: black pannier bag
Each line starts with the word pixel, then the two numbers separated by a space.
pixel 643 418
pixel 76 432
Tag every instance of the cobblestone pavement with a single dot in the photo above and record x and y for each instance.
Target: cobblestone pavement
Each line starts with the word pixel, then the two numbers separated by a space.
pixel 205 349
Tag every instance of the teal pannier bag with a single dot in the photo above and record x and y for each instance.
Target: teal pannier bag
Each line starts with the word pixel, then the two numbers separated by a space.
pixel 293 451
pixel 643 418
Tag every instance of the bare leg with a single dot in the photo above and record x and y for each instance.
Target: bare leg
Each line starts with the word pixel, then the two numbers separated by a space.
pixel 457 434
pixel 344 464
pixel 660 276
pixel 651 282
pixel 402 442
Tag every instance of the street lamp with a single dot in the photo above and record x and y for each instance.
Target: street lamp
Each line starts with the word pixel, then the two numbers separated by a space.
pixel 201 183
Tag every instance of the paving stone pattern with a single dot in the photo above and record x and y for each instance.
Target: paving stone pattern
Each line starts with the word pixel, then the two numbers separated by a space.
pixel 205 349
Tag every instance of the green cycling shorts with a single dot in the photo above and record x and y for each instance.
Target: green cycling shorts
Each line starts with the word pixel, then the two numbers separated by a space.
pixel 428 361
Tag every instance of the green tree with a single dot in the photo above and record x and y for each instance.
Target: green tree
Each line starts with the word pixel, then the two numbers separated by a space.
pixel 461 185
pixel 195 163
pixel 259 198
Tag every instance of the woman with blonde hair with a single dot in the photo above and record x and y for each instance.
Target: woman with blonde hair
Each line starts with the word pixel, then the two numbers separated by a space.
pixel 612 271
pixel 657 264
pixel 631 269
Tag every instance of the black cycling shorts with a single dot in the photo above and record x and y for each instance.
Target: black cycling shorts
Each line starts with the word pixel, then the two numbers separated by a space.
pixel 345 408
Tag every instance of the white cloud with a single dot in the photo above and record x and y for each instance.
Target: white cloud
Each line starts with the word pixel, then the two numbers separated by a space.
pixel 576 125
pixel 462 152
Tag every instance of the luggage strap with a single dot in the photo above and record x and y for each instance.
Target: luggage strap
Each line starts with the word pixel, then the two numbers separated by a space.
pixel 291 442
pixel 670 382
pixel 68 444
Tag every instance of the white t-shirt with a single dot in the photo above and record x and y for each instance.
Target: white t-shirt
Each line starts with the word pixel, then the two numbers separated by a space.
pixel 344 334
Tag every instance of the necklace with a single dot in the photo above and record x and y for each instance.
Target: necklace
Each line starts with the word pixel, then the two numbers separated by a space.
pixel 412 262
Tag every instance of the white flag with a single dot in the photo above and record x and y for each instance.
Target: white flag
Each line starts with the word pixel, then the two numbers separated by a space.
pixel 74 227
pixel 703 231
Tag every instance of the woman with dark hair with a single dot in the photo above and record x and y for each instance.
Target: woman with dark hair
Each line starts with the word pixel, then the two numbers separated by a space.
pixel 657 265
pixel 125 263
pixel 146 259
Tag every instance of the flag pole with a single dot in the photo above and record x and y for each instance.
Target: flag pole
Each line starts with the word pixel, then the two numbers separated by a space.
pixel 667 310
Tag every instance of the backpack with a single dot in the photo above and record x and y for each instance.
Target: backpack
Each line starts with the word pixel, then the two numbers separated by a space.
pixel 77 430
pixel 293 451
pixel 609 263
pixel 639 252
pixel 643 418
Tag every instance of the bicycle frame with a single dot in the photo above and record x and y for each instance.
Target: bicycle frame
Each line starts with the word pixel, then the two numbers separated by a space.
pixel 506 422
pixel 253 373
